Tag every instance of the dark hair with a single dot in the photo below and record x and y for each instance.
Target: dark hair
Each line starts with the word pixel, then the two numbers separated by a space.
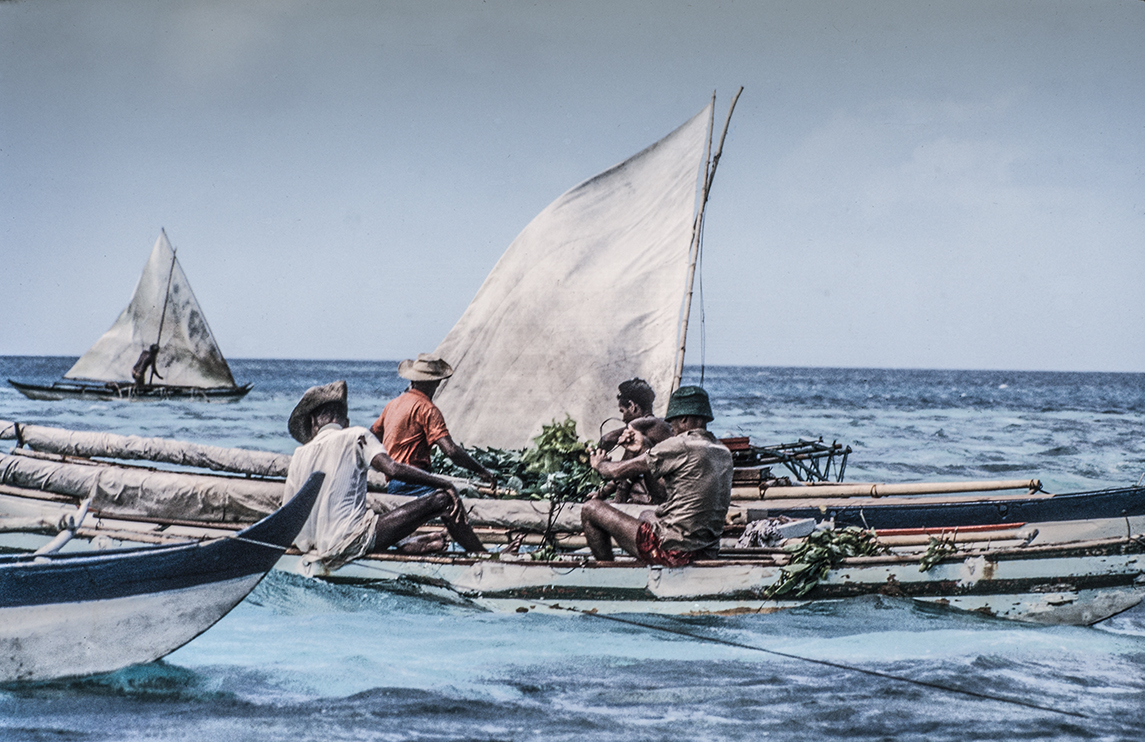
pixel 637 390
pixel 334 407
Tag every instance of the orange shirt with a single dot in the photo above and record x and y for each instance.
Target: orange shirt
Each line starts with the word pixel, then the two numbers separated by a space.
pixel 408 426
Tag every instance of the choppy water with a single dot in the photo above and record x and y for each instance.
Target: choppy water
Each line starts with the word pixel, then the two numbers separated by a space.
pixel 306 661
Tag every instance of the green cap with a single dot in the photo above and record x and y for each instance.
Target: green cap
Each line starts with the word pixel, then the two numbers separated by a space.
pixel 689 400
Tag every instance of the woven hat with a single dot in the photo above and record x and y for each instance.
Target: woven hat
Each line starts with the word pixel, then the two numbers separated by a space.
pixel 689 400
pixel 315 397
pixel 427 367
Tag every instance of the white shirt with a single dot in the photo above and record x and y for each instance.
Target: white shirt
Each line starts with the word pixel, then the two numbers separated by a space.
pixel 341 525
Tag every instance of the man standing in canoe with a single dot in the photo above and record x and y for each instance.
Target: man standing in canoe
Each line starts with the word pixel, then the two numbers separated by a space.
pixel 342 526
pixel 411 424
pixel 146 362
pixel 696 470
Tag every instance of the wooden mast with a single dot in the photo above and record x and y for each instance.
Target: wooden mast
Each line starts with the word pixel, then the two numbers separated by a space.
pixel 697 231
pixel 166 297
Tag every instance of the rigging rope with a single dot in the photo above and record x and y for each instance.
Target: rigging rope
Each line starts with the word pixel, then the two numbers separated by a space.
pixel 827 663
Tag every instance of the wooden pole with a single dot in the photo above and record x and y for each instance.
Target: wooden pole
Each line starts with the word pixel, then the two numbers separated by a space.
pixel 886 490
pixel 166 297
pixel 697 231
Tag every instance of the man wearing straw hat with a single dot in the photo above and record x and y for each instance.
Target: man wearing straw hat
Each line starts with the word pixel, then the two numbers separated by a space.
pixel 696 470
pixel 342 526
pixel 411 424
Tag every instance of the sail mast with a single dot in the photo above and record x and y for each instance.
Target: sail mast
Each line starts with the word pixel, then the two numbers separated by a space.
pixel 166 297
pixel 697 231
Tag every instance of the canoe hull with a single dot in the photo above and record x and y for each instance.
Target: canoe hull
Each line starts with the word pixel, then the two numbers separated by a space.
pixel 44 642
pixel 108 392
pixel 1076 584
pixel 66 615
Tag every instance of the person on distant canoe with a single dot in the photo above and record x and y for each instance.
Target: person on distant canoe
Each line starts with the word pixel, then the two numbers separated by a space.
pixel 147 361
pixel 342 527
pixel 411 423
pixel 697 473
pixel 634 399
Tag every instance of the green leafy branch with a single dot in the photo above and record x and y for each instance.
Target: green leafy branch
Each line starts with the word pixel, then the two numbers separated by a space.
pixel 813 558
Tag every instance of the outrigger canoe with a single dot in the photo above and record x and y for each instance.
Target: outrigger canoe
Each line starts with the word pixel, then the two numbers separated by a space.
pixel 1078 583
pixel 1078 570
pixel 73 614
pixel 164 312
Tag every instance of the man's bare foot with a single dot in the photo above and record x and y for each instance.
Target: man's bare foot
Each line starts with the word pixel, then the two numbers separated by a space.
pixel 425 543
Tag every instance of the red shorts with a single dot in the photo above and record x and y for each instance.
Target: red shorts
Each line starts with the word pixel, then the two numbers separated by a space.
pixel 652 552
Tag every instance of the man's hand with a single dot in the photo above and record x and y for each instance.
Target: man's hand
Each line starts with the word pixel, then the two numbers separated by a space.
pixel 456 510
pixel 595 457
pixel 632 440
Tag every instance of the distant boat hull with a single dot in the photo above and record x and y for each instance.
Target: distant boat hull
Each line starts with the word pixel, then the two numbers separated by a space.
pixel 58 390
pixel 69 615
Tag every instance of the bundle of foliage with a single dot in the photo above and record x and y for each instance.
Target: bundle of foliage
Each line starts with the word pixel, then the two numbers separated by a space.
pixel 555 467
pixel 937 549
pixel 818 553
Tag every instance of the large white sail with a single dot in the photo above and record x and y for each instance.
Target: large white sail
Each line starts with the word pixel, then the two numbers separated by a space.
pixel 588 295
pixel 163 310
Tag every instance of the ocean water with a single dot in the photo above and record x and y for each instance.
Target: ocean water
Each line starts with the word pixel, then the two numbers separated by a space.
pixel 301 660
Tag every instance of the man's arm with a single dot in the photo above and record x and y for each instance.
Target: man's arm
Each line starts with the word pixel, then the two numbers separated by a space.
pixel 397 470
pixel 461 457
pixel 609 440
pixel 652 428
pixel 623 469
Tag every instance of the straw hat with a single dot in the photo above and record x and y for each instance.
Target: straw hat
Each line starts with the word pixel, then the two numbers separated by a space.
pixel 315 397
pixel 427 367
pixel 689 400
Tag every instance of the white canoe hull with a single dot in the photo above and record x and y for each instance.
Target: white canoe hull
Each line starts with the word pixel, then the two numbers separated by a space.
pixel 42 642
pixel 1077 584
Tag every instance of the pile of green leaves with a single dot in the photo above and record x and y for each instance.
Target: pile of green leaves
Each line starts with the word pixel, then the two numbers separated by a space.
pixel 812 558
pixel 937 549
pixel 555 467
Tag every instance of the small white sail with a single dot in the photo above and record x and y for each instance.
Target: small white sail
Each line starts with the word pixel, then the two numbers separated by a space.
pixel 163 310
pixel 588 295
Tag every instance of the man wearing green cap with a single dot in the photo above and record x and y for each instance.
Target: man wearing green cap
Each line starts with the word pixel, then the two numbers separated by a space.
pixel 696 470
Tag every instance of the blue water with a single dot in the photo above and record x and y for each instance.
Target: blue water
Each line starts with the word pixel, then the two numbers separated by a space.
pixel 300 660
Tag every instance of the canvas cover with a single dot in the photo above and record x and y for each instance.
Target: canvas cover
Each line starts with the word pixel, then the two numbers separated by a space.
pixel 587 296
pixel 89 444
pixel 163 309
pixel 147 493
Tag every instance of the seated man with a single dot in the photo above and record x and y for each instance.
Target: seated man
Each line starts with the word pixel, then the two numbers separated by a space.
pixel 411 423
pixel 696 470
pixel 634 400
pixel 342 527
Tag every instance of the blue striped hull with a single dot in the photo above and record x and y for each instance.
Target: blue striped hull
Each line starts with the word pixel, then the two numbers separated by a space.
pixel 77 614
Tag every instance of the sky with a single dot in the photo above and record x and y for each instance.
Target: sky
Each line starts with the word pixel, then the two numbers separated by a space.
pixel 904 184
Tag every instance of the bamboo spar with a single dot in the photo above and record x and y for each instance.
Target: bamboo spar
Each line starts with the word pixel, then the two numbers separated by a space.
pixel 885 490
pixel 697 230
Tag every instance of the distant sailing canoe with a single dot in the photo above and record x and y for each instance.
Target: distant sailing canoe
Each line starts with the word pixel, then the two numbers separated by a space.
pixel 164 312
